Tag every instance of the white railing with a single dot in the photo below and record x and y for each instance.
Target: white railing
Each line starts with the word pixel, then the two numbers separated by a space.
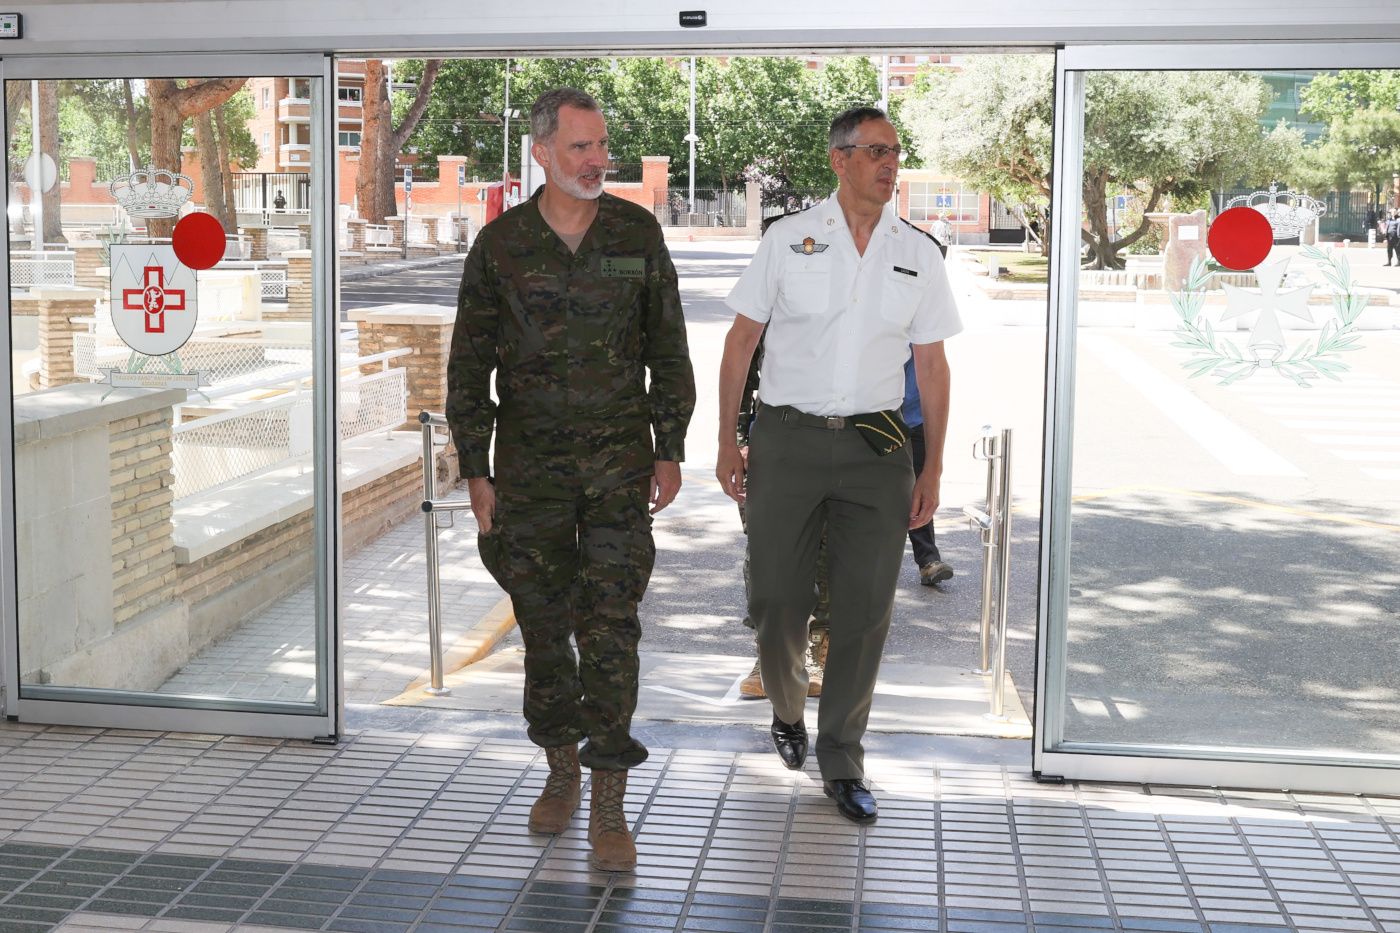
pixel 286 217
pixel 237 246
pixel 454 230
pixel 378 235
pixel 273 273
pixel 31 269
pixel 418 233
pixel 226 353
pixel 241 431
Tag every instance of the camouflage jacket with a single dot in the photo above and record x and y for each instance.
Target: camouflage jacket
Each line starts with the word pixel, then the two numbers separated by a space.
pixel 571 337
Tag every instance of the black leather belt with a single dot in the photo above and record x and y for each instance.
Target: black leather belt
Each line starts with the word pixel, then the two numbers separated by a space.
pixel 789 415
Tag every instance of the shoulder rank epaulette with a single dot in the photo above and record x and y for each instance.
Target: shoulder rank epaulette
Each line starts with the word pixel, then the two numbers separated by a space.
pixel 770 221
pixel 942 247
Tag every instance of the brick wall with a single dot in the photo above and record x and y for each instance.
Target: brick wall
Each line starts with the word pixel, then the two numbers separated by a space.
pixel 57 309
pixel 299 286
pixel 427 365
pixel 366 513
pixel 143 553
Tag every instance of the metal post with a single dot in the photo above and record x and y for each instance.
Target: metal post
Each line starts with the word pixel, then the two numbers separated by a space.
pixel 1003 521
pixel 434 586
pixel 982 520
pixel 994 522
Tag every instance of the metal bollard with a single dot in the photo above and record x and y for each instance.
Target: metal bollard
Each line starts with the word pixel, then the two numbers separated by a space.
pixel 994 522
pixel 431 505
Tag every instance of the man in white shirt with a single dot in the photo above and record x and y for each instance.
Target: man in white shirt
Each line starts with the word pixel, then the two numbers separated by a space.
pixel 844 289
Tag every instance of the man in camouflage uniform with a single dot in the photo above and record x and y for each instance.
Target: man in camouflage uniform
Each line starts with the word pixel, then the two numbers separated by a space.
pixel 572 299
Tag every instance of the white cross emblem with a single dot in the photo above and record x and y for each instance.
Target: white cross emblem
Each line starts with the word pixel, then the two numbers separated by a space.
pixel 1266 337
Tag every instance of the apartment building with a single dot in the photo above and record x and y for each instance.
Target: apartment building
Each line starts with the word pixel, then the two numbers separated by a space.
pixel 281 123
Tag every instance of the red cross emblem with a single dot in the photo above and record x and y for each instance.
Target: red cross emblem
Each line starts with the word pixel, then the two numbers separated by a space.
pixel 153 298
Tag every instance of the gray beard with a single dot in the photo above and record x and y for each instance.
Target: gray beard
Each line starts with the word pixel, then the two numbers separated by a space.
pixel 571 187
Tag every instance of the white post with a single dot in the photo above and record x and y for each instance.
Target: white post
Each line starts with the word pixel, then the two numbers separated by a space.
pixel 885 82
pixel 36 190
pixel 692 137
pixel 505 140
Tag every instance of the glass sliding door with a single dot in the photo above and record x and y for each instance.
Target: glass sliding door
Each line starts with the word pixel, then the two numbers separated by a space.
pixel 1222 578
pixel 169 498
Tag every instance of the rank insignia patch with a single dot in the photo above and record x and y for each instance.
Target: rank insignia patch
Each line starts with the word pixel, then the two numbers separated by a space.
pixel 809 246
pixel 624 267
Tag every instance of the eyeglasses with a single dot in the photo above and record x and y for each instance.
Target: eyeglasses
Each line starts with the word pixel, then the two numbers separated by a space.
pixel 876 151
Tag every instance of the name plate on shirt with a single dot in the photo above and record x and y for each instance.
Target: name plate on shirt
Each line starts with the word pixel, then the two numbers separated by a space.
pixel 624 267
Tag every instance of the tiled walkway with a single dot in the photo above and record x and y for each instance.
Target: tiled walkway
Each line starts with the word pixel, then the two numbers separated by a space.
pixel 384 619
pixel 397 832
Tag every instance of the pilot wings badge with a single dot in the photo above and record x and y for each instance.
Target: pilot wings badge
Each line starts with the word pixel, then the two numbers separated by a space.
pixel 809 246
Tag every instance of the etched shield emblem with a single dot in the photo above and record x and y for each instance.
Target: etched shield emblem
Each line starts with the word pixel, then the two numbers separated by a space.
pixel 154 304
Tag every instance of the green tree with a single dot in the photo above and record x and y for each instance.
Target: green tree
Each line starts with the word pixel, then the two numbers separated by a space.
pixel 1362 144
pixel 1360 148
pixel 1332 97
pixel 383 135
pixel 463 114
pixel 751 113
pixel 991 125
pixel 1164 136
pixel 648 113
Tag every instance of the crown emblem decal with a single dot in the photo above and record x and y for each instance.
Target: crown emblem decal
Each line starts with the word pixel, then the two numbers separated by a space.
pixel 1288 212
pixel 152 192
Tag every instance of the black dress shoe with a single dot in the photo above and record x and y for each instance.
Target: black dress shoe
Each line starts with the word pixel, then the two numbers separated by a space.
pixel 791 743
pixel 853 799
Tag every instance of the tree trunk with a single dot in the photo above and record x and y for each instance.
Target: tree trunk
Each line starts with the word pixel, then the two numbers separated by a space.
pixel 226 160
pixel 381 141
pixel 17 102
pixel 48 137
pixel 369 179
pixel 171 106
pixel 212 171
pixel 1101 245
pixel 133 146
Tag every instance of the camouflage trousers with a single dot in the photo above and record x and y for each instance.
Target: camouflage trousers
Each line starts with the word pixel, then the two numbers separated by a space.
pixel 821 608
pixel 577 569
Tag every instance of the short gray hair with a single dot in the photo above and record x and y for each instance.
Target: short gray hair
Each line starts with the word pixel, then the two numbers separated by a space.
pixel 843 128
pixel 544 116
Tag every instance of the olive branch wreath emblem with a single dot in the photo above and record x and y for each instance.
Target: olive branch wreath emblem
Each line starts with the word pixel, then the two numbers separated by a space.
pixel 1220 356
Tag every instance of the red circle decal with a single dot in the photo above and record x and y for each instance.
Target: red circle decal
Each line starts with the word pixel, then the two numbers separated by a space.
pixel 1240 238
pixel 198 240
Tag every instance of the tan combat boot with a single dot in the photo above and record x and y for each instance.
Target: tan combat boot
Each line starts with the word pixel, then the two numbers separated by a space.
pixel 559 799
pixel 752 685
pixel 816 664
pixel 611 840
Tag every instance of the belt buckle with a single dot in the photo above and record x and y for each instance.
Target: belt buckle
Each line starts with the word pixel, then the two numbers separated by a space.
pixel 835 422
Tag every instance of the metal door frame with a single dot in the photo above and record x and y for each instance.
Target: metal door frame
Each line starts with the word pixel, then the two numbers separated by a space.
pixel 1052 756
pixel 112 709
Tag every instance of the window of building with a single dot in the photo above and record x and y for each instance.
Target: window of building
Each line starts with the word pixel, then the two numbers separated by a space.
pixel 938 200
pixel 266 97
pixel 349 138
pixel 267 140
pixel 350 95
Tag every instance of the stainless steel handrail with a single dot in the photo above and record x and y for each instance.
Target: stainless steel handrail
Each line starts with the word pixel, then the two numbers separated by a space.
pixel 432 505
pixel 994 522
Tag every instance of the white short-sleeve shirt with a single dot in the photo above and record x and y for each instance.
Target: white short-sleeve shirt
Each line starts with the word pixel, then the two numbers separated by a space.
pixel 839 323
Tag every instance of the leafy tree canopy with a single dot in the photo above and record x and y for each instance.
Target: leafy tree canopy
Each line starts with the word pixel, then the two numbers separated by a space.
pixel 1163 135
pixel 750 111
